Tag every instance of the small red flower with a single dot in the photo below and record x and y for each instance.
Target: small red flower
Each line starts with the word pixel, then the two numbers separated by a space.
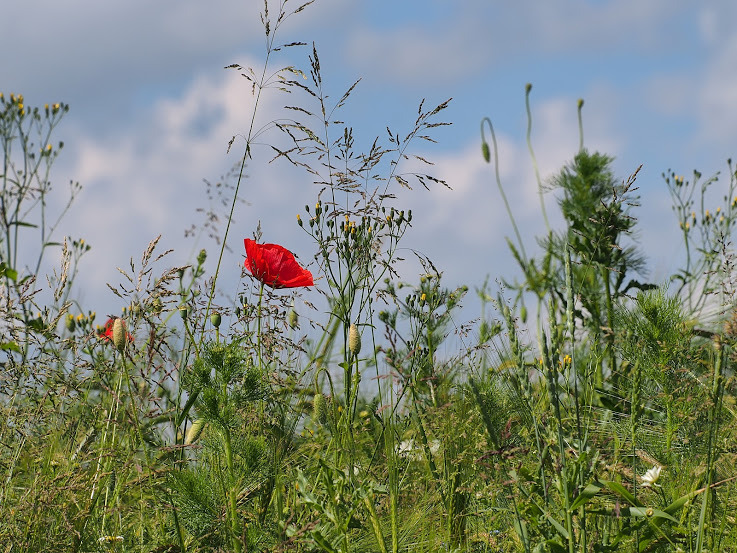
pixel 275 266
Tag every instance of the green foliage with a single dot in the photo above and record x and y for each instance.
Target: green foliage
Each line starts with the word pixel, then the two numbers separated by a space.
pixel 606 425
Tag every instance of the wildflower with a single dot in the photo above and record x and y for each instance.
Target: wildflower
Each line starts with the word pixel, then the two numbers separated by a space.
pixel 110 539
pixel 651 477
pixel 275 266
pixel 405 448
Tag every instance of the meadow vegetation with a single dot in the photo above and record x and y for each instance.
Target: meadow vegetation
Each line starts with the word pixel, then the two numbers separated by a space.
pixel 586 409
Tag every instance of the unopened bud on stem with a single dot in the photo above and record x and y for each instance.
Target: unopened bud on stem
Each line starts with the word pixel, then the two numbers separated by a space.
pixel 354 340
pixel 120 336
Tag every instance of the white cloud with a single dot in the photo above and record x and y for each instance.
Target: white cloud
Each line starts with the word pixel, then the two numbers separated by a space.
pixel 462 229
pixel 148 180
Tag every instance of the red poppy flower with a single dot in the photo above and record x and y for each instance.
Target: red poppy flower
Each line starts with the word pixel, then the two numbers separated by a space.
pixel 275 266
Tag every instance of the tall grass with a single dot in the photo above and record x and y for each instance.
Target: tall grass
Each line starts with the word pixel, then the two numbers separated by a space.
pixel 194 424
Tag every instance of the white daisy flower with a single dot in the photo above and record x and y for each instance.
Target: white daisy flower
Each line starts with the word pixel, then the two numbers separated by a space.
pixel 651 477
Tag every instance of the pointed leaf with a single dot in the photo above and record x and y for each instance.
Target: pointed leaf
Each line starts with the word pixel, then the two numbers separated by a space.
pixel 620 490
pixel 585 496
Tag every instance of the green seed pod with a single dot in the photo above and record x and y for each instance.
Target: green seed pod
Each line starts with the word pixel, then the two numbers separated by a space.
pixel 194 432
pixel 120 336
pixel 354 340
pixel 216 319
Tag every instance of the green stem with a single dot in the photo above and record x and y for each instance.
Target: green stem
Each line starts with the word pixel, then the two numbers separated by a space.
pixel 258 326
pixel 232 504
pixel 610 323
pixel 499 185
pixel 528 88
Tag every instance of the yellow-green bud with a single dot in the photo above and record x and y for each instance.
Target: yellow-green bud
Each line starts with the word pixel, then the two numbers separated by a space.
pixel 201 257
pixel 70 323
pixel 216 319
pixel 319 408
pixel 156 305
pixel 293 319
pixel 183 312
pixel 120 336
pixel 354 340
pixel 194 432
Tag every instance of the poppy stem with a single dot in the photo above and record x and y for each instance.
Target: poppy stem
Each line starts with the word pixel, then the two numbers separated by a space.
pixel 499 184
pixel 258 327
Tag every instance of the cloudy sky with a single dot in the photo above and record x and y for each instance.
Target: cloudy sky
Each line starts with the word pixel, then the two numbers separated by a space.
pixel 153 109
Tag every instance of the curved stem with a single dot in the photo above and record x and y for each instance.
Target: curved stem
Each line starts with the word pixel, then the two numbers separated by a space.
pixel 528 88
pixel 499 184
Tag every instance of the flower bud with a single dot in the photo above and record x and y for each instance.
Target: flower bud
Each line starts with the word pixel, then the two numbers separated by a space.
pixel 201 257
pixel 183 312
pixel 194 432
pixel 319 408
pixel 120 336
pixel 216 319
pixel 70 323
pixel 293 319
pixel 354 340
pixel 485 151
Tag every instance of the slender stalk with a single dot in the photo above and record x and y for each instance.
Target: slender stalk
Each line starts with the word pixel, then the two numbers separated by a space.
pixel 499 185
pixel 610 323
pixel 528 88
pixel 231 490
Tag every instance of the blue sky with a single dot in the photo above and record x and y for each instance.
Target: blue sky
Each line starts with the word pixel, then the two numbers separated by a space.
pixel 152 111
